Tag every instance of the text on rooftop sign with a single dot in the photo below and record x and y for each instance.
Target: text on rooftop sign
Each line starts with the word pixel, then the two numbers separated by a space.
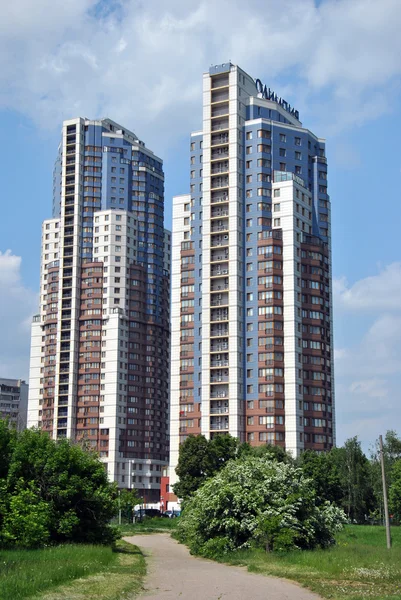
pixel 268 94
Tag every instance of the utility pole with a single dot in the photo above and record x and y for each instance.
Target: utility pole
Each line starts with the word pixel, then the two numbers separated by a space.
pixel 386 516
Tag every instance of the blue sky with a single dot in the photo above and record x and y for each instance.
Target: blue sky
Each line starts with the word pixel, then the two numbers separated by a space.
pixel 141 64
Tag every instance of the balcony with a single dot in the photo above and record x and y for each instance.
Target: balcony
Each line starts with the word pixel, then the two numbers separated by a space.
pixel 218 197
pixel 218 423
pixel 219 346
pixel 217 213
pixel 217 409
pixel 219 300
pixel 222 361
pixel 219 240
pixel 218 272
pixel 219 139
pixel 219 330
pixel 219 314
pixel 220 226
pixel 220 111
pixel 219 182
pixel 219 153
pixel 219 391
pixel 218 285
pixel 220 376
pixel 221 167
pixel 218 256
pixel 220 96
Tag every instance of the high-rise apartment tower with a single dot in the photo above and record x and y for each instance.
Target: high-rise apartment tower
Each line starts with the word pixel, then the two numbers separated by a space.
pixel 252 329
pixel 99 369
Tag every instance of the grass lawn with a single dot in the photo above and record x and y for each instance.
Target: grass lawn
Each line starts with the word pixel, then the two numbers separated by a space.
pixel 155 525
pixel 72 572
pixel 358 567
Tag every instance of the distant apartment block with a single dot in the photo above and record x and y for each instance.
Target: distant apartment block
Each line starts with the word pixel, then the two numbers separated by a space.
pixel 14 402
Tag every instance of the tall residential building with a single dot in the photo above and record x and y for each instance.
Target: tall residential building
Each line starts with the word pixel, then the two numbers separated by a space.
pixel 252 329
pixel 100 345
pixel 14 402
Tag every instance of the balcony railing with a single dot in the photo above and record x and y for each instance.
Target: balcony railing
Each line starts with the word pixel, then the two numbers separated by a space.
pixel 218 426
pixel 219 363
pixel 222 410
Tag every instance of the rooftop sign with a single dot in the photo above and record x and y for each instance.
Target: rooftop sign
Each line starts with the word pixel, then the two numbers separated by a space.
pixel 268 94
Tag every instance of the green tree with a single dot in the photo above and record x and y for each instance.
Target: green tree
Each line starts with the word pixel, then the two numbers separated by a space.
pixel 323 471
pixel 127 500
pixel 354 471
pixel 8 438
pixel 391 453
pixel 395 490
pixel 274 452
pixel 200 458
pixel 191 467
pixel 71 482
pixel 257 500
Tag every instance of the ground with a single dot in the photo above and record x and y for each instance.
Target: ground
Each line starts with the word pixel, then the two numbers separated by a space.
pixel 173 573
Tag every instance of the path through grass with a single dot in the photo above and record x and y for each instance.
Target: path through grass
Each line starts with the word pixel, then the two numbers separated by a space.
pixel 358 567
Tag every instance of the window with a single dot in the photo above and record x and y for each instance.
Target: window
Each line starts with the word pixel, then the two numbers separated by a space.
pixel 248 164
pixel 282 151
pixel 298 156
pixel 249 135
pixel 192 145
pixel 297 141
pixel 283 137
pixel 276 193
pixel 277 222
pixel 249 149
pixel 277 207
pixel 282 167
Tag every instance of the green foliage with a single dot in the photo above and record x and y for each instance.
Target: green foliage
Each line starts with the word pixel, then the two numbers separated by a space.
pixel 354 472
pixel 72 572
pixel 324 472
pixel 200 458
pixel 391 454
pixel 26 523
pixel 395 490
pixel 54 492
pixel 24 573
pixel 257 500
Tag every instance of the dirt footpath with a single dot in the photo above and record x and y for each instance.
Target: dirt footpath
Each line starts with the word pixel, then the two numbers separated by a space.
pixel 174 574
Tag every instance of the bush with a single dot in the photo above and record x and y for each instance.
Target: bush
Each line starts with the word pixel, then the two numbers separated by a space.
pixel 256 501
pixel 54 491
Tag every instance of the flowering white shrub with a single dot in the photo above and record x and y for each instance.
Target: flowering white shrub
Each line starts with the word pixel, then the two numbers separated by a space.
pixel 257 501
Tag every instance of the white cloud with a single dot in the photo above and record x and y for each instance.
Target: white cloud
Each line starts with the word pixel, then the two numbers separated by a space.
pixel 375 388
pixel 368 373
pixel 141 63
pixel 17 305
pixel 377 292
